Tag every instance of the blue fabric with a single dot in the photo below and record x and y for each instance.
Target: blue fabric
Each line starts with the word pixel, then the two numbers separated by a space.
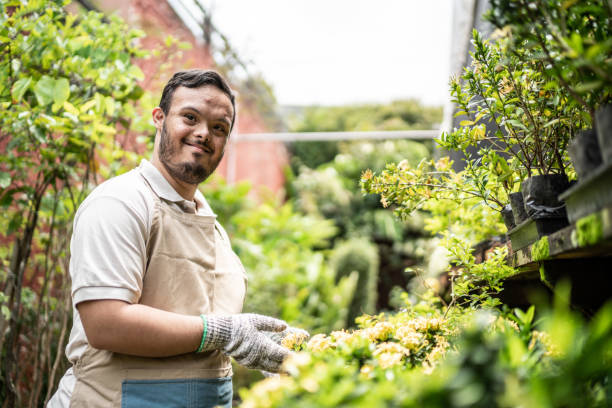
pixel 183 393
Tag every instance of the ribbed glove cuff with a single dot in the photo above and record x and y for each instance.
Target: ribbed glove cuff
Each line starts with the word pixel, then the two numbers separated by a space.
pixel 219 332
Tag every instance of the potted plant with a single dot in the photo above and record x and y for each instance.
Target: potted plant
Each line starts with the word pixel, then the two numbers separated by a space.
pixel 519 125
pixel 572 42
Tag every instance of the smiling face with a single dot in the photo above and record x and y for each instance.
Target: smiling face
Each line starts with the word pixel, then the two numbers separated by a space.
pixel 191 138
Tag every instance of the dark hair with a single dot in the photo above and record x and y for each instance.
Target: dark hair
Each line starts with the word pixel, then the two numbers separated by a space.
pixel 195 78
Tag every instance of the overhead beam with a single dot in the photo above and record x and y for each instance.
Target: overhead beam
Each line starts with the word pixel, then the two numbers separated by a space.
pixel 329 136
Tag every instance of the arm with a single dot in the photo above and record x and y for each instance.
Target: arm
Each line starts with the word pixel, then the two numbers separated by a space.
pixel 140 330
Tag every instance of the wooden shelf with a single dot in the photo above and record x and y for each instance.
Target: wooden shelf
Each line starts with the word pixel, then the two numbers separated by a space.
pixel 580 253
pixel 590 236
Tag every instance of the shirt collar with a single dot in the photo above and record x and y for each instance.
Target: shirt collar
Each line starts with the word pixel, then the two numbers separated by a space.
pixel 164 190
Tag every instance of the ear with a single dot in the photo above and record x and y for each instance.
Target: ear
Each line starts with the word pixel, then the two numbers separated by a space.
pixel 158 117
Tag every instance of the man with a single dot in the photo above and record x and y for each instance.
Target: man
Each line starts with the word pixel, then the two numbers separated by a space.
pixel 157 290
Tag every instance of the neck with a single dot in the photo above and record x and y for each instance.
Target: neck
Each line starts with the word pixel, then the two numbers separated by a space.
pixel 185 190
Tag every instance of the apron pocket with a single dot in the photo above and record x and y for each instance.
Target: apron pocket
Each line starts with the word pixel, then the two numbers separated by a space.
pixel 177 393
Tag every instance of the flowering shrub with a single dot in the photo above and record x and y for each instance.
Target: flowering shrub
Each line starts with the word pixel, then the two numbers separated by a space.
pixel 417 358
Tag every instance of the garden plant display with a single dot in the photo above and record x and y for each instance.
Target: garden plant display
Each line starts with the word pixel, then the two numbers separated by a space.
pixel 520 116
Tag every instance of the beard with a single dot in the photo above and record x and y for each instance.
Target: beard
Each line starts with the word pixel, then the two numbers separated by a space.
pixel 187 172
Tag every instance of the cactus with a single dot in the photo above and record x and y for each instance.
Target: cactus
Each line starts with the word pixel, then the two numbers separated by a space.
pixel 358 255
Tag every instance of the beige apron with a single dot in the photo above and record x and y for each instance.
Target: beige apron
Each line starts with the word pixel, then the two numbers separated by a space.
pixel 191 270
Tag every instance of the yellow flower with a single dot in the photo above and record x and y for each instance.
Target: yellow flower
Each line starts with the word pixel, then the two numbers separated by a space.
pixel 387 360
pixel 390 347
pixel 340 335
pixel 434 324
pixel 319 342
pixel 551 349
pixel 443 164
pixel 293 339
pixel 506 87
pixel 408 337
pixel 366 370
pixel 380 332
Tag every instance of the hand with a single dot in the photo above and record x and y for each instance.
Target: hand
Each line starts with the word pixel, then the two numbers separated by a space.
pixel 242 337
pixel 278 338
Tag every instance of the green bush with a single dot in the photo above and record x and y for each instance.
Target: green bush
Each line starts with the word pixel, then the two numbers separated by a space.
pixel 427 357
pixel 361 256
pixel 283 252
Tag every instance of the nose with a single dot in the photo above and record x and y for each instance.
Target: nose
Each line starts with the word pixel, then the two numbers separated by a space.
pixel 201 131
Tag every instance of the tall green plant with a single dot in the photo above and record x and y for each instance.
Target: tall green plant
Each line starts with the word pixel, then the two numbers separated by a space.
pixel 519 121
pixel 67 85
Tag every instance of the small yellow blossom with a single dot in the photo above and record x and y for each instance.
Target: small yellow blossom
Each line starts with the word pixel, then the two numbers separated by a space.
pixel 551 349
pixel 409 337
pixel 366 370
pixel 319 342
pixel 387 360
pixel 506 87
pixel 380 332
pixel 340 335
pixel 293 339
pixel 434 324
pixel 443 164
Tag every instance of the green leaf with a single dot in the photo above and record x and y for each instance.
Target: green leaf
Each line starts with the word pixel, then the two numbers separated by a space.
pixel 61 91
pixel 588 86
pixel 20 87
pixel 44 90
pixel 5 180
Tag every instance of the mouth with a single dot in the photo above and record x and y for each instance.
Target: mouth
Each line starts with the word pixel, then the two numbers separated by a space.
pixel 198 147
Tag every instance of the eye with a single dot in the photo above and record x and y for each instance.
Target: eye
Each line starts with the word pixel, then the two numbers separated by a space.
pixel 190 117
pixel 221 129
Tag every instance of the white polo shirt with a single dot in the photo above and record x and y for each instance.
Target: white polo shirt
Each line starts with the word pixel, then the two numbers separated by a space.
pixel 108 248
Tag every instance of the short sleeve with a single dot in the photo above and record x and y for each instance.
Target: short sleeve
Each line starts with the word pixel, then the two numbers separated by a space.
pixel 108 251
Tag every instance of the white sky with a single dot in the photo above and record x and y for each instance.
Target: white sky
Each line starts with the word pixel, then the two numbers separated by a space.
pixel 343 51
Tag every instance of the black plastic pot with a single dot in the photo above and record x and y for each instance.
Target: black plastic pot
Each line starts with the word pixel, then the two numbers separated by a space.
pixel 508 216
pixel 518 207
pixel 603 125
pixel 585 153
pixel 545 213
pixel 540 194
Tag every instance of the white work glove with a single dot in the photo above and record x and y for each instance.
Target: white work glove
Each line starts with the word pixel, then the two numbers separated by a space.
pixel 242 337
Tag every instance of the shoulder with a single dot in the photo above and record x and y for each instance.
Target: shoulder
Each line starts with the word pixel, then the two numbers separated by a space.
pixel 127 194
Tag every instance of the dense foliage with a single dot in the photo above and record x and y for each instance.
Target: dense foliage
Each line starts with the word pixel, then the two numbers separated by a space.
pixel 325 178
pixel 68 84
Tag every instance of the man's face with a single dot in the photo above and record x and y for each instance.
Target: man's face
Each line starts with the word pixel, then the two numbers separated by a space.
pixel 194 132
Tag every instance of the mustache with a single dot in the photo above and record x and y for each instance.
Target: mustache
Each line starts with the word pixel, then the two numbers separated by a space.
pixel 204 144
